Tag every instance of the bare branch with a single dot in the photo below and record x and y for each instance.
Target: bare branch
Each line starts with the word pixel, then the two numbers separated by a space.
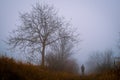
pixel 39 28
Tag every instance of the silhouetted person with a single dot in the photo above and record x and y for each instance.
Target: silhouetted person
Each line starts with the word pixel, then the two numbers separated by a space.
pixel 82 69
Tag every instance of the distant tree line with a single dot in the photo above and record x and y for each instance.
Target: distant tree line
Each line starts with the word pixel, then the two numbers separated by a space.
pixel 100 62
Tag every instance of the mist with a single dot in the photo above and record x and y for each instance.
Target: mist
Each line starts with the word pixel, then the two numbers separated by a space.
pixel 97 22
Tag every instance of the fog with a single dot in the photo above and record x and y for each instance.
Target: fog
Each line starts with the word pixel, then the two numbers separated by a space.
pixel 97 22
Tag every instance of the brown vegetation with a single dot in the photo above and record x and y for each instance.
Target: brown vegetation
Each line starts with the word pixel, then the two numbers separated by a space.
pixel 12 70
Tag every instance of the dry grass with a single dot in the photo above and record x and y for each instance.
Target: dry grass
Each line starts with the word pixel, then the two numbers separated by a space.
pixel 12 70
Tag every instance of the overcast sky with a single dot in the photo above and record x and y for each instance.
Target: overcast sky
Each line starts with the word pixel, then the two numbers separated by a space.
pixel 97 21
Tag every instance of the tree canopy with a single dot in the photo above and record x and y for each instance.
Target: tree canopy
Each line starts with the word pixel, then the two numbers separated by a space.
pixel 39 28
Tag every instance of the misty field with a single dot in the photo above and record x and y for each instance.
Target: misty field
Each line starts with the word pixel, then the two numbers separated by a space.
pixel 44 45
pixel 12 70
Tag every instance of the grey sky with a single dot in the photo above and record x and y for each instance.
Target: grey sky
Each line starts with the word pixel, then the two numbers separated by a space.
pixel 97 21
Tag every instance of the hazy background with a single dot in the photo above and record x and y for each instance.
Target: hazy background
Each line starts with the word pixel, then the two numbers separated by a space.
pixel 97 22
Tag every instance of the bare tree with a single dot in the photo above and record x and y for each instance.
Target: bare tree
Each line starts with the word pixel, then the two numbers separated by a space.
pixel 101 61
pixel 58 58
pixel 39 29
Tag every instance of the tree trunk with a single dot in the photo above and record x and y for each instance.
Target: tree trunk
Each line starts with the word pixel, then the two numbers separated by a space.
pixel 43 56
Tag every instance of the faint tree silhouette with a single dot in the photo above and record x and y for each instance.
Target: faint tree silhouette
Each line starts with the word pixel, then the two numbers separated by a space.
pixel 101 61
pixel 59 55
pixel 38 30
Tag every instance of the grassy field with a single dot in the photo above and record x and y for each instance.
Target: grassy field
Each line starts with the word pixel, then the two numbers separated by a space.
pixel 12 70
